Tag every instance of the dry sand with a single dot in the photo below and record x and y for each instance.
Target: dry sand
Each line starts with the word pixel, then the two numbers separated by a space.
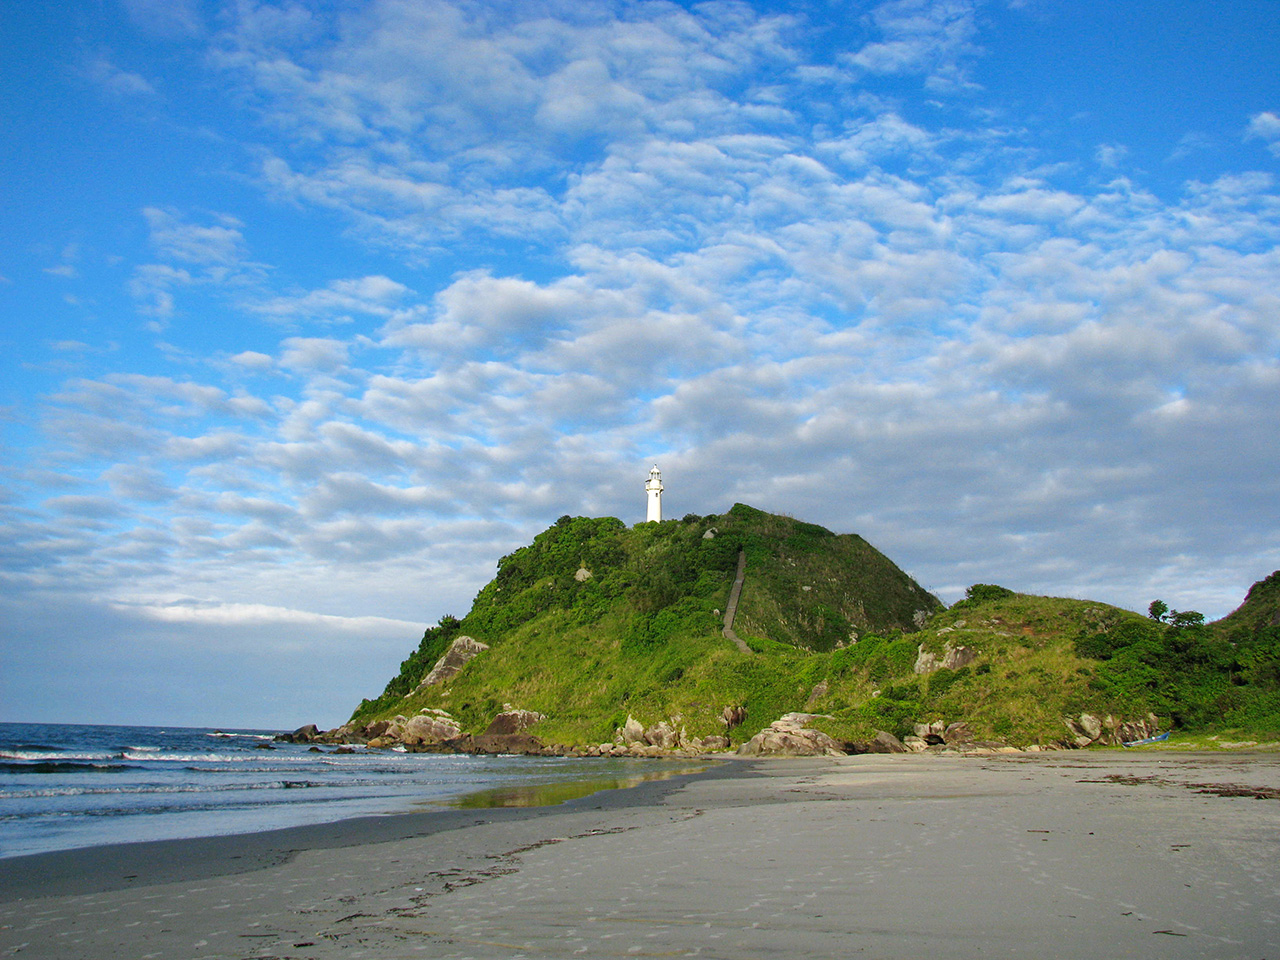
pixel 1091 855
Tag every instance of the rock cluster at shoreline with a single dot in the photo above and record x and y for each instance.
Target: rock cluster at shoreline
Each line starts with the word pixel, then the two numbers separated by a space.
pixel 435 731
pixel 665 738
pixel 1088 730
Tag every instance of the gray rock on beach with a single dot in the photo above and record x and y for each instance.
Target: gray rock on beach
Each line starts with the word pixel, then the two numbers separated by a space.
pixel 433 727
pixel 886 742
pixel 789 736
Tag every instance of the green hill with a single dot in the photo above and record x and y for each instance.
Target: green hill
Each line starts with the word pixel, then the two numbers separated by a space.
pixel 1259 612
pixel 594 622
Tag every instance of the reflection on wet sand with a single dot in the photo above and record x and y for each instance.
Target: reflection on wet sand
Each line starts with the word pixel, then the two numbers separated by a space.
pixel 550 794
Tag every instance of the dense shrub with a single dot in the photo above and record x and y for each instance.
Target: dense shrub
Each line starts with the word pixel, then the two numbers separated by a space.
pixel 982 593
pixel 1186 672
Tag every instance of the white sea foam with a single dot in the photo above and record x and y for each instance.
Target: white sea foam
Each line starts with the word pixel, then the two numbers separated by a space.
pixel 184 757
pixel 71 786
pixel 147 790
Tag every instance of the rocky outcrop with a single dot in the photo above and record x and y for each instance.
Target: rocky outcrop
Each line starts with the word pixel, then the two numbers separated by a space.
pixel 952 658
pixel 666 738
pixel 886 742
pixel 789 736
pixel 663 735
pixel 523 744
pixel 931 733
pixel 461 652
pixel 1085 730
pixel 510 721
pixel 630 732
pixel 435 731
pixel 938 736
pixel 431 726
pixel 308 734
pixel 1088 730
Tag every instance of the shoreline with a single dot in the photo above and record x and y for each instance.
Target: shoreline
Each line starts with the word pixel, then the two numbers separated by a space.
pixel 117 866
pixel 1158 854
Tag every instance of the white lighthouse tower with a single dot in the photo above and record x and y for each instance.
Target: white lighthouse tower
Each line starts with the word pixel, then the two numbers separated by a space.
pixel 653 489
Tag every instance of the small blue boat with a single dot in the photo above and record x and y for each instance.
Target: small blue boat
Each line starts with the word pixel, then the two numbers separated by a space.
pixel 1142 743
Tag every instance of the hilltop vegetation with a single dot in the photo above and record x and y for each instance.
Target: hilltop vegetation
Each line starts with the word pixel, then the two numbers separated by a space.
pixel 595 621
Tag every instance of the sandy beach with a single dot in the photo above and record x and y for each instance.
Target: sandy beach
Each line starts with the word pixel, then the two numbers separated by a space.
pixel 1089 855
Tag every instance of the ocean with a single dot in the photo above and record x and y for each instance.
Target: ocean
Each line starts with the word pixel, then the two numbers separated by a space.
pixel 67 786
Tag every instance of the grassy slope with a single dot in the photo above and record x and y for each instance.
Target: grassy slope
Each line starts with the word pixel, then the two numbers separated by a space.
pixel 1260 610
pixel 641 637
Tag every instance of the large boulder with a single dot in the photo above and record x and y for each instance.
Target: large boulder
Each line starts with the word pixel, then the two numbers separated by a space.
pixel 435 726
pixel 1086 729
pixel 886 742
pixel 631 732
pixel 662 735
pixel 461 652
pixel 500 743
pixel 511 720
pixel 931 733
pixel 953 657
pixel 305 734
pixel 789 736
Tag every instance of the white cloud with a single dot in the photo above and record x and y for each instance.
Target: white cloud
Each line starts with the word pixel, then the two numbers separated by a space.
pixel 1266 126
pixel 376 296
pixel 314 354
pixel 1113 154
pixel 218 244
pixel 259 614
pixel 195 255
pixel 253 360
pixel 116 81
pixel 921 36
pixel 170 19
pixel 152 286
pixel 572 239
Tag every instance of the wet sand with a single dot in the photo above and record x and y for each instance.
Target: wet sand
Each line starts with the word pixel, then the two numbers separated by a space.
pixel 1090 855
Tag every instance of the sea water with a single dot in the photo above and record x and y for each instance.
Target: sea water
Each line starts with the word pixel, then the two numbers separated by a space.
pixel 64 786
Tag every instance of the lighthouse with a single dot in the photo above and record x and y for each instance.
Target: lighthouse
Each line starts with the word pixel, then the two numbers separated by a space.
pixel 653 490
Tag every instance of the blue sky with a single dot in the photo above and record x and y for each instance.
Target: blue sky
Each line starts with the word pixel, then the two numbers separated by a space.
pixel 311 311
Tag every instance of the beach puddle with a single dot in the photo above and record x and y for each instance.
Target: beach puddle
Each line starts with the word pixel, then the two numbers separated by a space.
pixel 550 794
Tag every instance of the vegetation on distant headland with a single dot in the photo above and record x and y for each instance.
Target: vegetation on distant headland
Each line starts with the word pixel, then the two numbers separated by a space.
pixel 595 622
